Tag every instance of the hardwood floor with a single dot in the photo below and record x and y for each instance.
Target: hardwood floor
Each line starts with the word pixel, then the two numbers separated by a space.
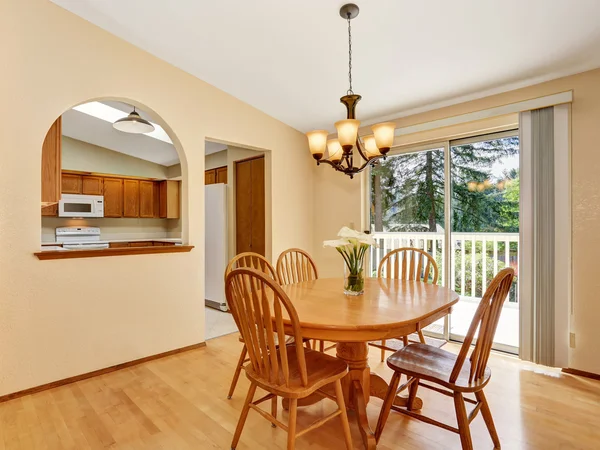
pixel 179 402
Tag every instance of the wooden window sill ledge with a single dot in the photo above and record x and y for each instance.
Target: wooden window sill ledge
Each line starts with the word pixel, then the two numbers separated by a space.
pixel 68 254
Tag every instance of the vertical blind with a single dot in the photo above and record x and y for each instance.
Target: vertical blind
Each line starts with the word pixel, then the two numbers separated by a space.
pixel 537 137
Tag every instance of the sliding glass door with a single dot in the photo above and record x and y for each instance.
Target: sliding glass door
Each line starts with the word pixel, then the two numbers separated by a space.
pixel 458 201
pixel 484 229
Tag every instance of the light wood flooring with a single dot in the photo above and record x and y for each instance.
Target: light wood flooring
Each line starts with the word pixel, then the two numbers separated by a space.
pixel 179 402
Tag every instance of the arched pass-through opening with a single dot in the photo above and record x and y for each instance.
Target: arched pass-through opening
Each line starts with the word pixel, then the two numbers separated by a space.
pixel 114 179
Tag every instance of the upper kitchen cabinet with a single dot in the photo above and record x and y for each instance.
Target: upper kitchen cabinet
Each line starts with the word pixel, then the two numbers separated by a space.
pixel 51 165
pixel 147 199
pixel 113 197
pixel 218 175
pixel 71 183
pixel 92 185
pixel 169 199
pixel 131 198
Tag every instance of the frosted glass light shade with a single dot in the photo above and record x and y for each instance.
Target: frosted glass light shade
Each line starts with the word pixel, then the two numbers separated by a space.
pixel 347 131
pixel 317 143
pixel 384 136
pixel 371 146
pixel 335 150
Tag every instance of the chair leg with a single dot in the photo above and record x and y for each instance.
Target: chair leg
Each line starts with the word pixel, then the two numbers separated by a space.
pixel 387 405
pixel 412 394
pixel 238 370
pixel 307 344
pixel 383 350
pixel 487 417
pixel 243 416
pixel 274 409
pixel 339 395
pixel 405 340
pixel 463 422
pixel 421 337
pixel 291 441
pixel 322 346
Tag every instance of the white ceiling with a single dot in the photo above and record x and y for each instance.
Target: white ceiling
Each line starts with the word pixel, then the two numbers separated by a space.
pixel 289 59
pixel 84 127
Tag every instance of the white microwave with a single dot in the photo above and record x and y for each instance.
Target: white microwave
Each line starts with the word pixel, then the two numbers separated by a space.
pixel 73 205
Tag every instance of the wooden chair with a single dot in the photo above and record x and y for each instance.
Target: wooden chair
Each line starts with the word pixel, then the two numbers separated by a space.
pixel 254 261
pixel 294 265
pixel 405 263
pixel 261 309
pixel 453 373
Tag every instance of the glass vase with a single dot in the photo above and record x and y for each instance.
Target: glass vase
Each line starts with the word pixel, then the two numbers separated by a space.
pixel 354 281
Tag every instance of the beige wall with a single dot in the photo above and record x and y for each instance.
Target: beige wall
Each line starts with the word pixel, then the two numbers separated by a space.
pixel 214 160
pixel 585 191
pixel 52 325
pixel 86 157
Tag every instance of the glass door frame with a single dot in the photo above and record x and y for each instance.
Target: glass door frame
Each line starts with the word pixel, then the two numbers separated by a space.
pixel 444 145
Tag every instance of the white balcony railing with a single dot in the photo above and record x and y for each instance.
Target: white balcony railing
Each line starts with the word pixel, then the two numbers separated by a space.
pixel 477 258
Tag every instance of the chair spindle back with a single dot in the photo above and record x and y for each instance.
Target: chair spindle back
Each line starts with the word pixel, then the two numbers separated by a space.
pixel 409 263
pixel 255 300
pixel 295 265
pixel 486 319
pixel 253 261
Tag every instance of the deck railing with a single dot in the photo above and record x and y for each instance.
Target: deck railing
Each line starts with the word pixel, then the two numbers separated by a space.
pixel 477 258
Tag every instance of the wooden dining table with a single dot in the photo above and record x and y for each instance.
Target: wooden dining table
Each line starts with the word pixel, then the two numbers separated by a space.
pixel 389 308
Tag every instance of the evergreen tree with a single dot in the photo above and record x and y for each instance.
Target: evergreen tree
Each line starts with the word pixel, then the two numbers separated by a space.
pixel 408 190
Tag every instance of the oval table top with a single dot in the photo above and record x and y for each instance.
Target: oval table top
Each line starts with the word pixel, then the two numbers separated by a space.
pixel 388 308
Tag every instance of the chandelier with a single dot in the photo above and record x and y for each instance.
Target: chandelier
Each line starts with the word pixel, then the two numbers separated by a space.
pixel 341 150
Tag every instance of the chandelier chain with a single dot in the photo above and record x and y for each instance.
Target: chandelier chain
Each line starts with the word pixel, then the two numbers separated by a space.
pixel 350 91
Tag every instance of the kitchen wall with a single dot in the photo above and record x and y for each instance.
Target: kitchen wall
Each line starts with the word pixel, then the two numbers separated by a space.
pixel 337 201
pixel 214 160
pixel 115 228
pixel 144 304
pixel 86 157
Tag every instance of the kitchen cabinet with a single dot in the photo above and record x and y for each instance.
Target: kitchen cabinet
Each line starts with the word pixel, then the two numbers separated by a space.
pixel 169 199
pixel 71 183
pixel 221 174
pixel 91 185
pixel 51 164
pixel 218 175
pixel 118 244
pixel 146 199
pixel 210 176
pixel 156 198
pixel 131 198
pixel 113 197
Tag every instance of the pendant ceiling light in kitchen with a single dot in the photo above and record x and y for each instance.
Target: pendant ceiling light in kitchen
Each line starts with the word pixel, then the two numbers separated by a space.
pixel 134 124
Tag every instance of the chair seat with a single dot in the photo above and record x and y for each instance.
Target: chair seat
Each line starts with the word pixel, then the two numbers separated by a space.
pixel 321 368
pixel 434 364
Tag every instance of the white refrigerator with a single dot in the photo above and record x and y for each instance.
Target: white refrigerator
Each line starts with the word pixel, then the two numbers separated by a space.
pixel 215 242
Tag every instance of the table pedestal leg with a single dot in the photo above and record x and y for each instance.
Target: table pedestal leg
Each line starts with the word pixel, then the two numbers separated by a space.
pixel 358 386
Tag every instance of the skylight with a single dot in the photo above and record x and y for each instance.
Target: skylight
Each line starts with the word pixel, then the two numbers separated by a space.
pixel 110 114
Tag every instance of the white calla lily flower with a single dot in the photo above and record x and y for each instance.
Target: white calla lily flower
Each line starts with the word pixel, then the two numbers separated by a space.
pixel 336 243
